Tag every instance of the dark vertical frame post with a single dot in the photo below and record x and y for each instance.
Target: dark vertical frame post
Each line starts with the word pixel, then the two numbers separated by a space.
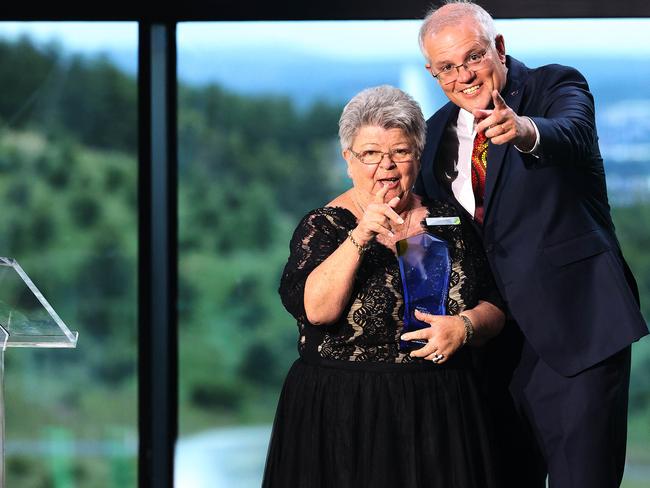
pixel 157 287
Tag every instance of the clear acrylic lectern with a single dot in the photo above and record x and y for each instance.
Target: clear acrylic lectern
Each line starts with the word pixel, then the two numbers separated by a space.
pixel 26 320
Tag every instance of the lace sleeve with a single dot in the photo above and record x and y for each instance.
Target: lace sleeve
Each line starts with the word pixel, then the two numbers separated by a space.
pixel 316 237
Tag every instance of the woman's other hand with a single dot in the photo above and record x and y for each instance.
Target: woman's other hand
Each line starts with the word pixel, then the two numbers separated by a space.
pixel 447 333
pixel 444 336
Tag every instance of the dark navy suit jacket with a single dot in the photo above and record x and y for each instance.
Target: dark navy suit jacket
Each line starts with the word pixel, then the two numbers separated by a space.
pixel 547 230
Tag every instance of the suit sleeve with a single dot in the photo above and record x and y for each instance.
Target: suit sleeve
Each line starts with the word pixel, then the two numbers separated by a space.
pixel 565 119
pixel 419 188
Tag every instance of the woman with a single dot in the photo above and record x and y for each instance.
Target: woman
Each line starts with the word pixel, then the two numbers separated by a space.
pixel 355 410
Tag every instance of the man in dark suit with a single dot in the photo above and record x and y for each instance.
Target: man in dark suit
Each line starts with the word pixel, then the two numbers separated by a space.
pixel 517 149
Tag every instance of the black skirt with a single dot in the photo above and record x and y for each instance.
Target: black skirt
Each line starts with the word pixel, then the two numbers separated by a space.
pixel 346 424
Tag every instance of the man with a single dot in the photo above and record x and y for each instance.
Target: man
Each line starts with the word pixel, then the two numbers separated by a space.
pixel 516 148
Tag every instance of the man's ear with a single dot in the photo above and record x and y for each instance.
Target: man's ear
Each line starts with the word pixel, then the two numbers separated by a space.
pixel 500 45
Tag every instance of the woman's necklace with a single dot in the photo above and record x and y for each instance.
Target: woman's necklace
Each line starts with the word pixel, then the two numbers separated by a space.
pixel 355 200
pixel 408 224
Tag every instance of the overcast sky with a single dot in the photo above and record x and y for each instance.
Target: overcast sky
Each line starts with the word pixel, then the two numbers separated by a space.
pixel 352 39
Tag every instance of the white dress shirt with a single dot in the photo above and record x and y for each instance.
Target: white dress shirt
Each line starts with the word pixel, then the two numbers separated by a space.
pixel 462 185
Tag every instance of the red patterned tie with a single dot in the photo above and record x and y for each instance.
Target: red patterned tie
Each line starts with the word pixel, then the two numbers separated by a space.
pixel 479 169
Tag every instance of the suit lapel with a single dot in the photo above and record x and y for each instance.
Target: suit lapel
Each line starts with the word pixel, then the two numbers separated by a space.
pixel 512 94
pixel 435 132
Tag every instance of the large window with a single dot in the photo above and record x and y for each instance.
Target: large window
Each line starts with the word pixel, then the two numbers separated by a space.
pixel 258 109
pixel 68 185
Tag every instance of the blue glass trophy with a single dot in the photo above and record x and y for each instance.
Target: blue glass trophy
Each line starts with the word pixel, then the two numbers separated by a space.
pixel 425 266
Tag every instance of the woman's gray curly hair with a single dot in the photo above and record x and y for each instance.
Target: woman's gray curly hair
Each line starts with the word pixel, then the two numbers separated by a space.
pixel 384 106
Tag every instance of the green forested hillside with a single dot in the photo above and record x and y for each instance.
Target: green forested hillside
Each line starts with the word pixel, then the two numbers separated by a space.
pixel 68 145
pixel 249 169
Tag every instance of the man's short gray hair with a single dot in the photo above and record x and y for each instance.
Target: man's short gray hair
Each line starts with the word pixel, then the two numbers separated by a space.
pixel 453 13
pixel 383 106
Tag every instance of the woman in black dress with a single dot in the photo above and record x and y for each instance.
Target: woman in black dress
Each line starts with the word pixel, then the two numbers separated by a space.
pixel 356 411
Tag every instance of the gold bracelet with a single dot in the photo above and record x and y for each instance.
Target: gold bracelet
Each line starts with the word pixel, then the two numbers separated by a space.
pixel 361 249
pixel 469 329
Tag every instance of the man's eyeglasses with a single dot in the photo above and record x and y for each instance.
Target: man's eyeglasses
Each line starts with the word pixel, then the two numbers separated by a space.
pixel 399 155
pixel 449 72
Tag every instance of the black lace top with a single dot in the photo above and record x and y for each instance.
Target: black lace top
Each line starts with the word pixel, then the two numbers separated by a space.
pixel 370 327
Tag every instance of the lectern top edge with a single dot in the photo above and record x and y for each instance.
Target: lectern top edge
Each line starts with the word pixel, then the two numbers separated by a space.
pixel 26 318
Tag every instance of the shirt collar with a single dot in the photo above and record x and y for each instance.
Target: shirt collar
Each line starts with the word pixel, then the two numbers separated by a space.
pixel 465 123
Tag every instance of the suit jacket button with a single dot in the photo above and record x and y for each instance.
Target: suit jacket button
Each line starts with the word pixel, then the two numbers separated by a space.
pixel 489 248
